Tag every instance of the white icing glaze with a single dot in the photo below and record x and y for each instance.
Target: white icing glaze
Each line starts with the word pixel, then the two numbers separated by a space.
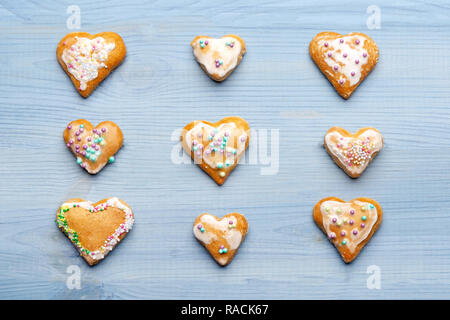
pixel 340 150
pixel 87 146
pixel 232 236
pixel 217 49
pixel 201 135
pixel 329 211
pixel 85 57
pixel 126 226
pixel 344 56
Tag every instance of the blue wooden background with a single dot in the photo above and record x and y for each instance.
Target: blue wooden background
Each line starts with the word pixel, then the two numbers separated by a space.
pixel 160 88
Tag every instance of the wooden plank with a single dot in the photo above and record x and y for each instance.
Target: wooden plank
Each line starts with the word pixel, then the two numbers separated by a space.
pixel 160 88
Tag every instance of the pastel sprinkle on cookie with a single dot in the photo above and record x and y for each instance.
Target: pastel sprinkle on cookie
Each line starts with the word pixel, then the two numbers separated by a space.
pixel 346 60
pixel 89 59
pixel 216 147
pixel 353 152
pixel 95 229
pixel 93 147
pixel 218 57
pixel 221 237
pixel 348 225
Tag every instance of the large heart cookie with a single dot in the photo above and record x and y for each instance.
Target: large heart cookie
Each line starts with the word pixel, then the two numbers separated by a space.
pixel 95 228
pixel 221 237
pixel 344 59
pixel 348 225
pixel 93 147
pixel 216 147
pixel 218 57
pixel 88 59
pixel 353 152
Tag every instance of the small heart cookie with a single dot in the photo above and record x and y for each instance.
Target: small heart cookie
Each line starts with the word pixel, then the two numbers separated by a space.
pixel 89 59
pixel 93 147
pixel 348 225
pixel 218 57
pixel 216 147
pixel 344 59
pixel 353 152
pixel 221 237
pixel 95 228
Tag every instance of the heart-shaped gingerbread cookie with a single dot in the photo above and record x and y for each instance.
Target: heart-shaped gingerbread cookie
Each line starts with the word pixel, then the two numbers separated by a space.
pixel 344 59
pixel 216 147
pixel 221 237
pixel 348 225
pixel 218 57
pixel 93 147
pixel 353 152
pixel 95 228
pixel 89 59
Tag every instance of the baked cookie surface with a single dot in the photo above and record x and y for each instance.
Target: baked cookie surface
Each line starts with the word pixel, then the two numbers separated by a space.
pixel 348 225
pixel 221 237
pixel 218 57
pixel 353 152
pixel 216 147
pixel 346 60
pixel 89 59
pixel 93 147
pixel 95 229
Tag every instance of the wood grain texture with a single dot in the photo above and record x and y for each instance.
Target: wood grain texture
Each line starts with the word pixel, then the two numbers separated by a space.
pixel 159 88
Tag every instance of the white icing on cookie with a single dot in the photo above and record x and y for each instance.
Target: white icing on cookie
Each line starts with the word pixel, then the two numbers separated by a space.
pixel 85 57
pixel 220 147
pixel 88 146
pixel 232 236
pixel 346 56
pixel 354 153
pixel 218 56
pixel 113 239
pixel 352 221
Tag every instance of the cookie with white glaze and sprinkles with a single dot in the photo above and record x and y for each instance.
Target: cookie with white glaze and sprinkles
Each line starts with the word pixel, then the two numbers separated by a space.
pixel 221 237
pixel 216 147
pixel 89 59
pixel 218 57
pixel 93 147
pixel 348 225
pixel 346 60
pixel 353 152
pixel 95 229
